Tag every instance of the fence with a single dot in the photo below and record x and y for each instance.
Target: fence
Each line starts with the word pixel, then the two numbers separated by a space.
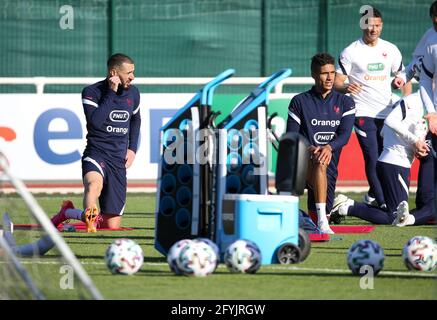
pixel 192 38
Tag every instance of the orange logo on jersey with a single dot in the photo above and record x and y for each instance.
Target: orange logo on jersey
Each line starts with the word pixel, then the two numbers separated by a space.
pixel 375 78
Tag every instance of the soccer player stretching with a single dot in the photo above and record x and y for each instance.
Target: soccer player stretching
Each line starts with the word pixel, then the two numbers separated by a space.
pixel 113 122
pixel 404 138
pixel 325 117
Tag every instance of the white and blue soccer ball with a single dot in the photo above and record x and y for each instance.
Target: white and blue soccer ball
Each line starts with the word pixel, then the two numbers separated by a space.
pixel 365 253
pixel 420 253
pixel 124 256
pixel 173 255
pixel 197 259
pixel 243 256
pixel 213 246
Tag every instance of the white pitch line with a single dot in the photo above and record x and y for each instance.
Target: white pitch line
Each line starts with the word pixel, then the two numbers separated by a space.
pixel 327 270
pixel 272 267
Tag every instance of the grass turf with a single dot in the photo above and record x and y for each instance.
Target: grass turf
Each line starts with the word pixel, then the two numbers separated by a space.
pixel 323 275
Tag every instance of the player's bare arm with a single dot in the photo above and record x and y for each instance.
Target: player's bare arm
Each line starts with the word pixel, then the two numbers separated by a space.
pixel 341 86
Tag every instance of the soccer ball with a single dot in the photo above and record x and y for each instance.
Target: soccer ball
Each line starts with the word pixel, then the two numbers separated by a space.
pixel 420 253
pixel 124 256
pixel 213 246
pixel 365 253
pixel 243 256
pixel 173 255
pixel 197 259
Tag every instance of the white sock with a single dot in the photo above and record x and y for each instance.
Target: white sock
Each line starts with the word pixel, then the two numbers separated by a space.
pixel 74 214
pixel 321 213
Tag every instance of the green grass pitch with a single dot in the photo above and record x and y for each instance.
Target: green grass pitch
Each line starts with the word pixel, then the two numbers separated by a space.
pixel 323 275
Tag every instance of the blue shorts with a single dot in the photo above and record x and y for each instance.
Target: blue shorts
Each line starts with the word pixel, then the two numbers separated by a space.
pixel 112 200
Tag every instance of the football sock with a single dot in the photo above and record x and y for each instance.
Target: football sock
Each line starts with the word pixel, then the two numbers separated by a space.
pixel 74 214
pixel 321 212
pixel 39 247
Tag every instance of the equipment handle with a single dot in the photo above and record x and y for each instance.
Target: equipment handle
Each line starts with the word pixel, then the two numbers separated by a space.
pixel 208 89
pixel 269 210
pixel 274 79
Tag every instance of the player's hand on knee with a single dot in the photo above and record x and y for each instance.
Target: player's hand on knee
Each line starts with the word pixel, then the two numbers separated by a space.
pixel 325 155
pixel 314 154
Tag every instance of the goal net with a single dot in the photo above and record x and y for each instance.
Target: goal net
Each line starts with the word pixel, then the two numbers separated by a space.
pixel 35 261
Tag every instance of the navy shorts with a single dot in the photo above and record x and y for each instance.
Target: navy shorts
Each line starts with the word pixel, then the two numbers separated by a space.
pixel 112 200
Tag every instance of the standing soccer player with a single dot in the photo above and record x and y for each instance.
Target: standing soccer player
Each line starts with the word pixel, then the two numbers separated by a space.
pixel 428 92
pixel 325 117
pixel 368 64
pixel 113 122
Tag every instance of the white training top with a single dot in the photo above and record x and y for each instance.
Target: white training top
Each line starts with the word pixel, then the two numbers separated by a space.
pixel 429 68
pixel 416 64
pixel 402 128
pixel 371 67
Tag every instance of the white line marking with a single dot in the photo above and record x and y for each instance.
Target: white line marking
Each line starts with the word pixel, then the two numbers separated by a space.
pixel 268 267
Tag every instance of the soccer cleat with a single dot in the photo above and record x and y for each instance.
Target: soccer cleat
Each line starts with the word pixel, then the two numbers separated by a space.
pixel 91 215
pixel 339 209
pixel 60 217
pixel 339 201
pixel 403 216
pixel 336 218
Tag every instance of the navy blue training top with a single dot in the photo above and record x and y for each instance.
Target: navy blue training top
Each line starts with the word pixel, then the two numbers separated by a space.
pixel 112 120
pixel 322 121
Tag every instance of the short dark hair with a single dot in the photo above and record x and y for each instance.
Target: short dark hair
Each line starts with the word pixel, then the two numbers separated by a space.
pixel 118 59
pixel 319 60
pixel 433 9
pixel 375 13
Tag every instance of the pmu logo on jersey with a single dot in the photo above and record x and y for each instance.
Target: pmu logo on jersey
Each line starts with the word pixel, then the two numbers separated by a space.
pixel 119 116
pixel 374 67
pixel 324 137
